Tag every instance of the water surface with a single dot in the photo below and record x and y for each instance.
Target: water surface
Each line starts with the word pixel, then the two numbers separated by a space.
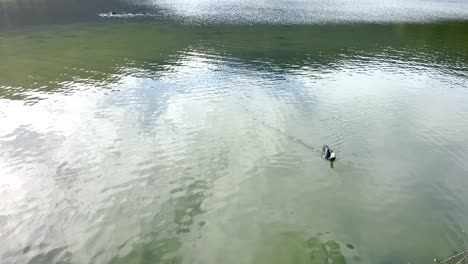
pixel 193 136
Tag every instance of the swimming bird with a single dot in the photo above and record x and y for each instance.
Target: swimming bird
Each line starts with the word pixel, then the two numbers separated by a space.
pixel 328 153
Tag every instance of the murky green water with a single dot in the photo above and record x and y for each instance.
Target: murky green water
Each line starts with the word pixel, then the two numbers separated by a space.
pixel 192 134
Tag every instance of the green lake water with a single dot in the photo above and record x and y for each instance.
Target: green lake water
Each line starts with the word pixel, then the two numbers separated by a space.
pixel 192 133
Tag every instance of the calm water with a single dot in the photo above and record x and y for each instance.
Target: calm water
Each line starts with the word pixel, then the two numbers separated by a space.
pixel 192 134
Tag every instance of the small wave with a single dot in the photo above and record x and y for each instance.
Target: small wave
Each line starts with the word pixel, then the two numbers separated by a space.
pixel 126 15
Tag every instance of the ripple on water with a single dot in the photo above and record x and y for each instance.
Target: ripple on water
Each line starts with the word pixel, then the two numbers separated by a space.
pixel 307 12
pixel 229 131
